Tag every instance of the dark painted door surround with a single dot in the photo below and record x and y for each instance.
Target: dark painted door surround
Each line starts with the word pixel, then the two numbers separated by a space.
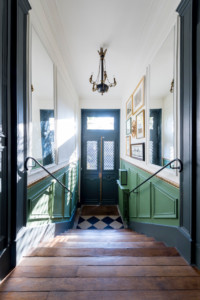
pixel 99 157
pixel 13 97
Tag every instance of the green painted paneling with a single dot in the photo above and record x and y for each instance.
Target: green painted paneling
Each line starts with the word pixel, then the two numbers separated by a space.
pixel 156 202
pixel 164 204
pixel 48 202
pixel 143 198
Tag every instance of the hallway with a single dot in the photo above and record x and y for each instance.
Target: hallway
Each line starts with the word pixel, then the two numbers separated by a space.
pixel 102 264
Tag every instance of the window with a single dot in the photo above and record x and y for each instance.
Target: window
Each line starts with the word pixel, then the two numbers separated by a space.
pixel 100 123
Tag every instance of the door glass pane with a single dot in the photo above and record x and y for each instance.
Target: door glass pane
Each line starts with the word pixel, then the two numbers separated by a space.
pixel 108 155
pixel 100 123
pixel 91 155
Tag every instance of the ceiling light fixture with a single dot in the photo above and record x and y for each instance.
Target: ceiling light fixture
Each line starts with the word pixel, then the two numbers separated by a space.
pixel 102 85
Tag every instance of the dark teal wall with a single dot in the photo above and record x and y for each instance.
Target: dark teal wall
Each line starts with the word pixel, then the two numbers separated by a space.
pixel 48 202
pixel 156 202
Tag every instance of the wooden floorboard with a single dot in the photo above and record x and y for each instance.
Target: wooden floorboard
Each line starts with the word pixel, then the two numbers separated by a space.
pixel 99 210
pixel 106 245
pixel 100 284
pixel 87 264
pixel 100 239
pixel 109 260
pixel 102 271
pixel 105 295
pixel 138 252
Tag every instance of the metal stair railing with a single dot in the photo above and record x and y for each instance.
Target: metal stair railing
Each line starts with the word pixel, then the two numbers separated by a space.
pixel 39 164
pixel 180 168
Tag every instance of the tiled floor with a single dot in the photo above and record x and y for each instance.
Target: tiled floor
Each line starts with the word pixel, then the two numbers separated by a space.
pixel 100 222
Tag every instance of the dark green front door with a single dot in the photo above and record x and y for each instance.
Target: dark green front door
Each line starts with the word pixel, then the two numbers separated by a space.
pixel 100 156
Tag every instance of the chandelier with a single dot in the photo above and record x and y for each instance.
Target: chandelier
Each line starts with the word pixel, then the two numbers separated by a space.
pixel 102 85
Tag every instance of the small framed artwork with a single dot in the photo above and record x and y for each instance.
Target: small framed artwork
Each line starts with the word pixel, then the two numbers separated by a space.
pixel 140 125
pixel 128 126
pixel 138 96
pixel 129 108
pixel 128 144
pixel 133 127
pixel 138 151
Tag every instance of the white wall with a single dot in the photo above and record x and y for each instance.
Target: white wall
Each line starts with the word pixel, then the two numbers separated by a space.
pixel 144 70
pixel 102 103
pixel 66 98
pixel 168 128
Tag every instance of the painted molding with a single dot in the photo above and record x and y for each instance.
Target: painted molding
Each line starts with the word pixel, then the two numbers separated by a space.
pixel 162 177
pixel 43 175
pixel 144 199
pixel 183 6
pixel 155 210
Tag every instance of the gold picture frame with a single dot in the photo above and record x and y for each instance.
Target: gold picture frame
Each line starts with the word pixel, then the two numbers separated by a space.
pixel 129 107
pixel 140 125
pixel 128 145
pixel 138 97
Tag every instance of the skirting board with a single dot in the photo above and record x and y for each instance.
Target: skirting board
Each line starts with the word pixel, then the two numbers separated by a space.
pixel 172 236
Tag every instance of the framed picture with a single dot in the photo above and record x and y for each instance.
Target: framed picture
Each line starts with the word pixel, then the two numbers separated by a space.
pixel 129 108
pixel 128 144
pixel 133 127
pixel 140 125
pixel 138 96
pixel 138 151
pixel 128 126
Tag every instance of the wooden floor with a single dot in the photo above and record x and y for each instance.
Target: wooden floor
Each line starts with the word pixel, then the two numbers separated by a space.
pixel 107 264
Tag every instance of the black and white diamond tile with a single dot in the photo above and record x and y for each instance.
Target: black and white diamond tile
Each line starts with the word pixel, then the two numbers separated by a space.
pixel 100 222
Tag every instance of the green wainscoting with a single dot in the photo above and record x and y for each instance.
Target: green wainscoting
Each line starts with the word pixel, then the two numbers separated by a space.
pixel 156 202
pixel 48 202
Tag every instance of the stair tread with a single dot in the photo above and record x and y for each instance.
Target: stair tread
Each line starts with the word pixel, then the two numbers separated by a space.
pixel 108 260
pixel 105 295
pixel 44 251
pixel 54 271
pixel 103 284
pixel 103 239
pixel 104 244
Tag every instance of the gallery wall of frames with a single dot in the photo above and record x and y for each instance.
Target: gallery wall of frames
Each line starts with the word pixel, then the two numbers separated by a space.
pixel 151 111
pixel 135 122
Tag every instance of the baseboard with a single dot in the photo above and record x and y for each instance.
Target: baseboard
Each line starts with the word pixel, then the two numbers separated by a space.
pixel 172 236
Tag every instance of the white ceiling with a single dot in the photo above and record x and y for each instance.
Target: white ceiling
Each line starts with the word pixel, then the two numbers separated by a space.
pixel 129 29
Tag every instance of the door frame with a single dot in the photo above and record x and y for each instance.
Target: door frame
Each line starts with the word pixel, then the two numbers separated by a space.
pixel 98 112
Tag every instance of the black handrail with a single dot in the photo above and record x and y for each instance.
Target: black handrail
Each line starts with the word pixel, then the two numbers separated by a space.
pixel 39 164
pixel 180 168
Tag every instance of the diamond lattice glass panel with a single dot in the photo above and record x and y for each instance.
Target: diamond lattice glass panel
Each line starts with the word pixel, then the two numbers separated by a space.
pixel 91 155
pixel 109 155
pixel 100 123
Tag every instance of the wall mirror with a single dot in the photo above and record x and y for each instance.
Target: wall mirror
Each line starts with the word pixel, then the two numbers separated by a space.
pixel 161 104
pixel 42 105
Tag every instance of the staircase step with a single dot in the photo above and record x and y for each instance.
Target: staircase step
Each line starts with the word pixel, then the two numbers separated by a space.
pixel 100 231
pixel 105 295
pixel 103 261
pixel 101 284
pixel 138 252
pixel 101 271
pixel 104 245
pixel 100 239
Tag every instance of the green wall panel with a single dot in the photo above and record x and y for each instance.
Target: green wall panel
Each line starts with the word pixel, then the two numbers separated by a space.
pixel 143 199
pixel 58 199
pixel 164 205
pixel 156 202
pixel 48 202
